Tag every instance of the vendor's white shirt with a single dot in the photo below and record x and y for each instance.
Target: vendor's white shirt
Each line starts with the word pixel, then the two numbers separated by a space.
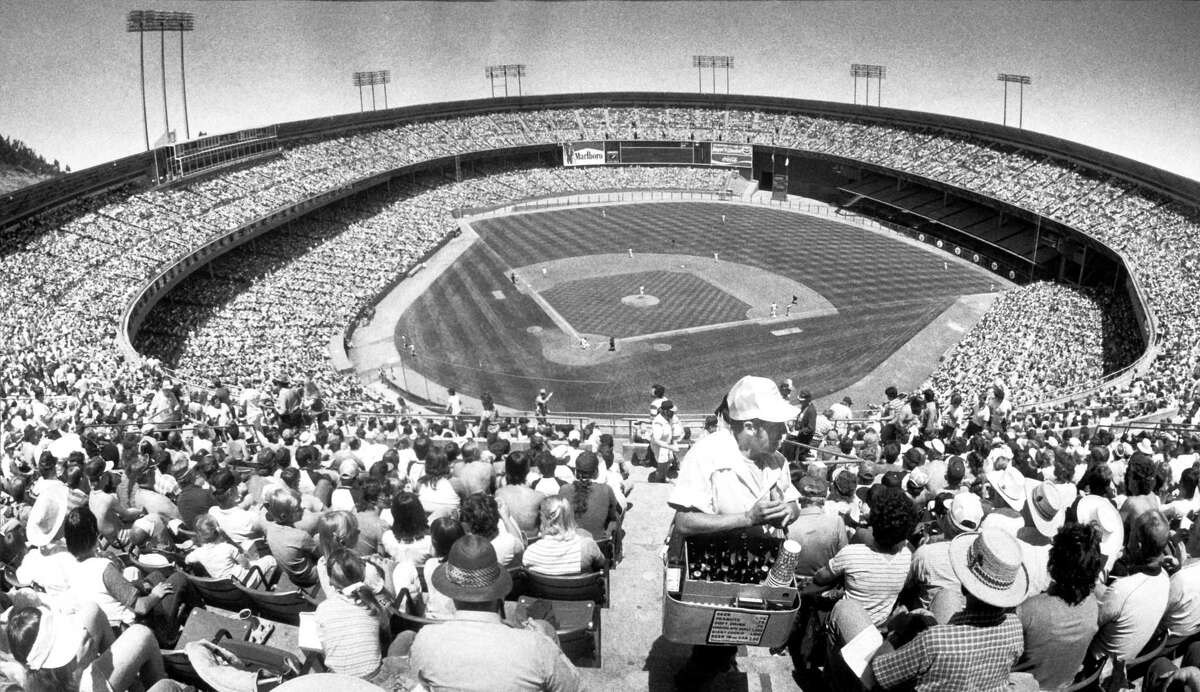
pixel 717 479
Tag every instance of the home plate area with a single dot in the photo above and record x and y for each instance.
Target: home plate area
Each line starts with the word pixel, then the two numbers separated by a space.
pixel 629 305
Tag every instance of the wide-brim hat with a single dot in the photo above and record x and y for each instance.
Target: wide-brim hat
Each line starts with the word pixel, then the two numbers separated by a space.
pixel 1145 447
pixel 757 398
pixel 988 564
pixel 472 572
pixel 1099 512
pixel 47 516
pixel 1010 486
pixel 1047 508
pixel 57 642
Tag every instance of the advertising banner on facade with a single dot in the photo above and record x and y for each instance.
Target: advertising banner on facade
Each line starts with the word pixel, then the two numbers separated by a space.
pixel 737 155
pixel 583 154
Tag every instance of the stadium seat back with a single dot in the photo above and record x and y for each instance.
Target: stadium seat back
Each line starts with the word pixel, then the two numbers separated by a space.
pixel 219 593
pixel 589 586
pixel 280 606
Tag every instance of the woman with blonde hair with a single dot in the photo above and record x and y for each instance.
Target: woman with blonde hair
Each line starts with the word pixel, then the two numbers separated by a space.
pixel 562 547
pixel 338 530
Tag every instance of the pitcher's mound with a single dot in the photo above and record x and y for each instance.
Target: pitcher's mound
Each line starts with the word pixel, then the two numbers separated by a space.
pixel 640 301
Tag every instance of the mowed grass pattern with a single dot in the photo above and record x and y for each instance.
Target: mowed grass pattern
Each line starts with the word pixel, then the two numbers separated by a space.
pixel 885 291
pixel 593 306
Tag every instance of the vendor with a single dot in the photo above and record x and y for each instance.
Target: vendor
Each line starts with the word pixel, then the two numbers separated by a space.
pixel 735 478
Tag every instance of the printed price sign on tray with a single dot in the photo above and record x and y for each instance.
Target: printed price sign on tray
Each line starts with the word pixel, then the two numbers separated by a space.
pixel 730 627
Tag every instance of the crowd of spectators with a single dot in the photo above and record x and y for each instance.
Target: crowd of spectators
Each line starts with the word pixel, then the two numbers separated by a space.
pixel 74 269
pixel 1041 339
pixel 362 515
pixel 1099 530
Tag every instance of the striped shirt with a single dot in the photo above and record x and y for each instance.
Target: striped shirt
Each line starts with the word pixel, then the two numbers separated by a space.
pixel 559 555
pixel 349 633
pixel 872 578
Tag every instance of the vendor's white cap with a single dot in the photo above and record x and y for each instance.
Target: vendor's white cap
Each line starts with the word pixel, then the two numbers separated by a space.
pixel 757 398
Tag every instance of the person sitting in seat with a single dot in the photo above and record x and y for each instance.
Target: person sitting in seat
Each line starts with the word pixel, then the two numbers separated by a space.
pixel 563 548
pixel 98 579
pixel 222 559
pixel 59 653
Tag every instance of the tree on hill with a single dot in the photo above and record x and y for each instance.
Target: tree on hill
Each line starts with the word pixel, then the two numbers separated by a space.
pixel 15 153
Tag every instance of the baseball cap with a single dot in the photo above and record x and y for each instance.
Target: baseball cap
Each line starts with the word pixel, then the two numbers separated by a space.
pixel 757 398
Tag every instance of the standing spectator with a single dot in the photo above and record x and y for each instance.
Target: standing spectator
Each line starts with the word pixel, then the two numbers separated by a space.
pixel 841 413
pixel 806 426
pixel 665 434
pixel 931 420
pixel 453 403
pixel 541 406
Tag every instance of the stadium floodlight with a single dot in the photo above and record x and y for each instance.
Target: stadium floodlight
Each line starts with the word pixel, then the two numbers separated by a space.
pixel 879 72
pixel 492 72
pixel 724 62
pixel 371 79
pixel 1021 80
pixel 142 21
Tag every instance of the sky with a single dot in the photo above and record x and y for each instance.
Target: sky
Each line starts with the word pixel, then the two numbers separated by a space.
pixel 1119 76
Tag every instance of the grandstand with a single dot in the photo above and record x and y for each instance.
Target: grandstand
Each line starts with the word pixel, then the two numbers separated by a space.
pixel 1024 205
pixel 244 258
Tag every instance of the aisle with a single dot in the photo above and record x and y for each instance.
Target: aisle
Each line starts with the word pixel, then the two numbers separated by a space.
pixel 635 657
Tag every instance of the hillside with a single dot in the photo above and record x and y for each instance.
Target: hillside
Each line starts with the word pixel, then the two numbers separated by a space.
pixel 21 165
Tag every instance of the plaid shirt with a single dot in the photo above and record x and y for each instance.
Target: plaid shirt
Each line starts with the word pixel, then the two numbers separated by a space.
pixel 974 651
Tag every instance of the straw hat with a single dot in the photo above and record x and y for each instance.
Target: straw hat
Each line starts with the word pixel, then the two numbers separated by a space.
pixel 988 564
pixel 472 572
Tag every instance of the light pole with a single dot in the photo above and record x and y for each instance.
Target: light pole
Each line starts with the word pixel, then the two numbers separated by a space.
pixel 181 22
pixel 726 62
pixel 868 71
pixel 362 79
pixel 492 72
pixel 700 62
pixel 142 21
pixel 1021 80
pixel 517 70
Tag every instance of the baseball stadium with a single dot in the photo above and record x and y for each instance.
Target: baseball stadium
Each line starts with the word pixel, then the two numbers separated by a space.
pixel 314 402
